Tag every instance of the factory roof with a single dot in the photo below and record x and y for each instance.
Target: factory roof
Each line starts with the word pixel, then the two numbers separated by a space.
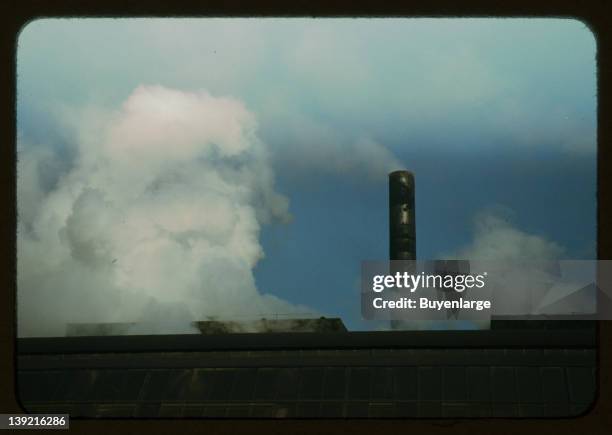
pixel 518 369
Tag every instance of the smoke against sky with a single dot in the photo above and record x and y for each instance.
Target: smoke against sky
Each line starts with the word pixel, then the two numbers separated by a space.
pixel 520 266
pixel 286 128
pixel 497 239
pixel 160 214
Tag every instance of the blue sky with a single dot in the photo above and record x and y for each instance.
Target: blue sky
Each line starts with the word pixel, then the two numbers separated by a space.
pixel 494 116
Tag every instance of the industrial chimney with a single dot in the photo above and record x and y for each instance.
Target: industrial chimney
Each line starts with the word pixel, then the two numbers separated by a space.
pixel 402 230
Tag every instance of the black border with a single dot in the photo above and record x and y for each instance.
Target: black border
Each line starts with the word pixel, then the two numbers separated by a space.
pixel 595 14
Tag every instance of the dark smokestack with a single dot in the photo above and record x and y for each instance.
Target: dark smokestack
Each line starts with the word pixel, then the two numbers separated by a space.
pixel 402 230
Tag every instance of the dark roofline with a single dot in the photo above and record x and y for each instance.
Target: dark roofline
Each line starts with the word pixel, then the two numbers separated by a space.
pixel 518 338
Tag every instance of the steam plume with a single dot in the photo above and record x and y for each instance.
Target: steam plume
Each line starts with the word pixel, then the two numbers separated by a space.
pixel 157 220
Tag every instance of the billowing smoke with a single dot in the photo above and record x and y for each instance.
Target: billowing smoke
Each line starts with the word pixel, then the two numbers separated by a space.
pixel 307 146
pixel 497 239
pixel 157 221
pixel 363 156
pixel 521 268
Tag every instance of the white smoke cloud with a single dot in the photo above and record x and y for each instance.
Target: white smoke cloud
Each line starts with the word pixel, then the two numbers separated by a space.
pixel 362 157
pixel 497 239
pixel 157 220
pixel 521 267
pixel 306 146
pixel 524 273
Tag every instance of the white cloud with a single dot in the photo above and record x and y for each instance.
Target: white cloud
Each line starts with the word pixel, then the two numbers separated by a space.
pixel 309 148
pixel 428 82
pixel 521 267
pixel 496 239
pixel 162 208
